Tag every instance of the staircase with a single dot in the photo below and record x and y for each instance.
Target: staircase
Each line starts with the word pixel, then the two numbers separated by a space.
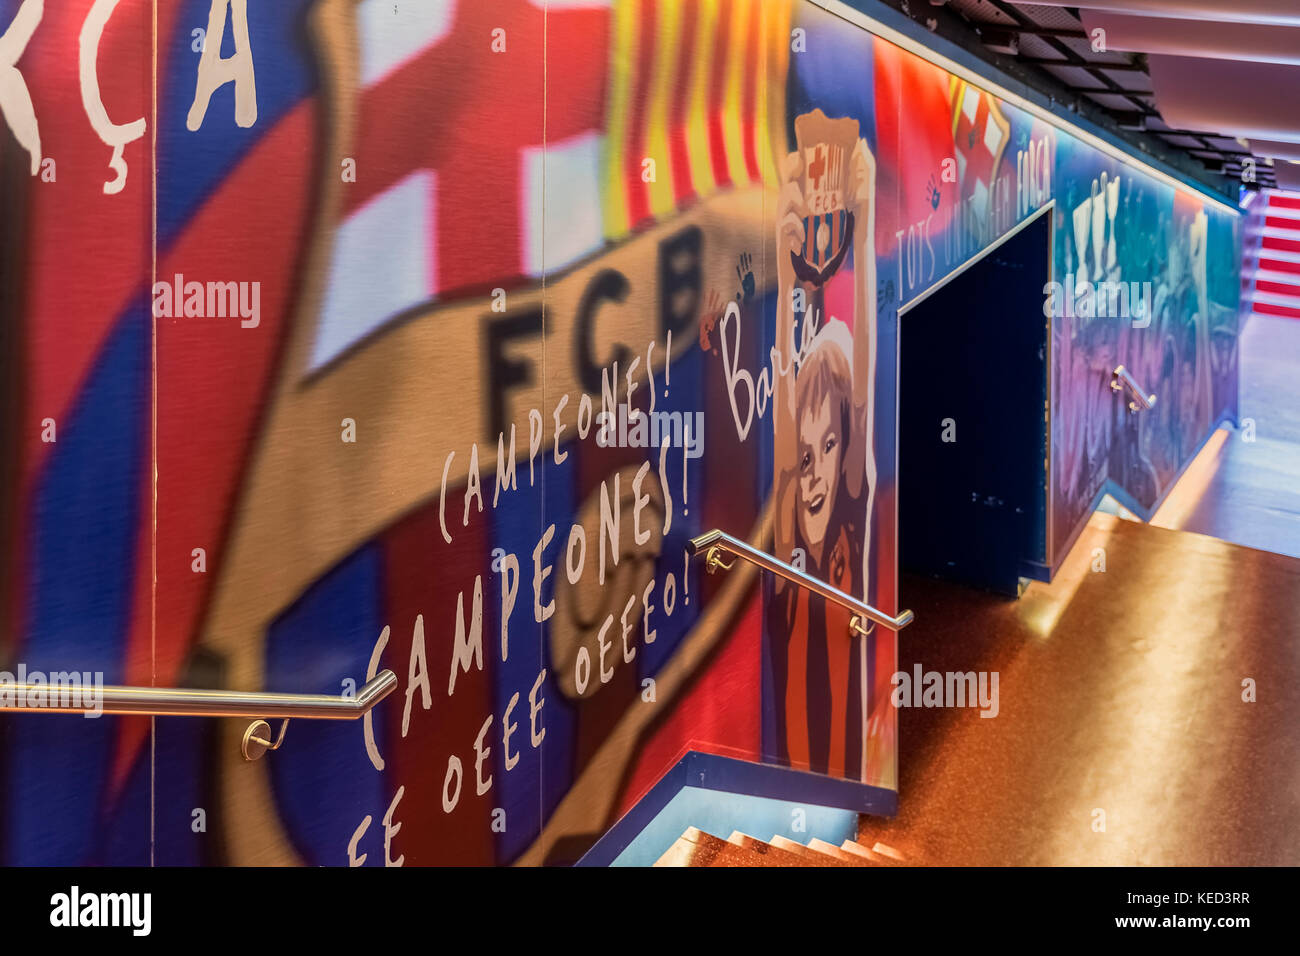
pixel 697 848
pixel 1276 286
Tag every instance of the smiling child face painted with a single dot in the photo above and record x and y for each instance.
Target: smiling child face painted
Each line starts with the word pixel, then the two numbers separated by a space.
pixel 820 450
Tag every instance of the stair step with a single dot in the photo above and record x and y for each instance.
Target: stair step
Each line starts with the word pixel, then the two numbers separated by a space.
pixel 775 854
pixel 1286 234
pixel 1272 244
pixel 821 859
pixel 857 849
pixel 869 835
pixel 1278 267
pixel 1269 256
pixel 699 849
pixel 1273 311
pixel 888 851
pixel 1280 292
pixel 1289 277
pixel 681 853
pixel 830 849
pixel 1277 298
pixel 1283 212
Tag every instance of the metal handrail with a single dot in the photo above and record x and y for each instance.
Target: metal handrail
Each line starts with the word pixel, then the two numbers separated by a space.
pixel 184 702
pixel 711 542
pixel 1142 400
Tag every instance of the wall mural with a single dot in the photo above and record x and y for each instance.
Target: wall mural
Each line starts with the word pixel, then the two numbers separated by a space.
pixel 424 335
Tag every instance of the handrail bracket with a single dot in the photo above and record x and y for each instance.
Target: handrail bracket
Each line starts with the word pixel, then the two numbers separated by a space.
pixel 713 561
pixel 186 702
pixel 1142 400
pixel 257 739
pixel 714 544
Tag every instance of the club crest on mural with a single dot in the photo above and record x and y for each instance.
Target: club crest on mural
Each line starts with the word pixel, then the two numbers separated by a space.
pixel 329 401
pixel 826 146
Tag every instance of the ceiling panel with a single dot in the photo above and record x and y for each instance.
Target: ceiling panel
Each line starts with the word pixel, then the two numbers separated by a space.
pixel 1053 39
pixel 978 11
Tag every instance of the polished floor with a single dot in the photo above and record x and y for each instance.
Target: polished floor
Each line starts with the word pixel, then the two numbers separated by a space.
pixel 1123 734
pixel 1245 486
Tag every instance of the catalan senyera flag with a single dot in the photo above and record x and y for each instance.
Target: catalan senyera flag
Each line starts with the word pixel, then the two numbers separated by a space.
pixel 693 90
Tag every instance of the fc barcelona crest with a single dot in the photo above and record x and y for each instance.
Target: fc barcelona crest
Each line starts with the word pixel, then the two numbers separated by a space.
pixel 826 146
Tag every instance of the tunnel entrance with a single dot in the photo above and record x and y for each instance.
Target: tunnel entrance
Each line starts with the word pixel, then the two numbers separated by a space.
pixel 973 429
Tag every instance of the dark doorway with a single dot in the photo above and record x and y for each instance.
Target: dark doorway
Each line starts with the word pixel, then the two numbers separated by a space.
pixel 973 425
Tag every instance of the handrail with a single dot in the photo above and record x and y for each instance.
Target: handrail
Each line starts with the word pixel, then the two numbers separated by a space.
pixel 184 702
pixel 711 542
pixel 1142 400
